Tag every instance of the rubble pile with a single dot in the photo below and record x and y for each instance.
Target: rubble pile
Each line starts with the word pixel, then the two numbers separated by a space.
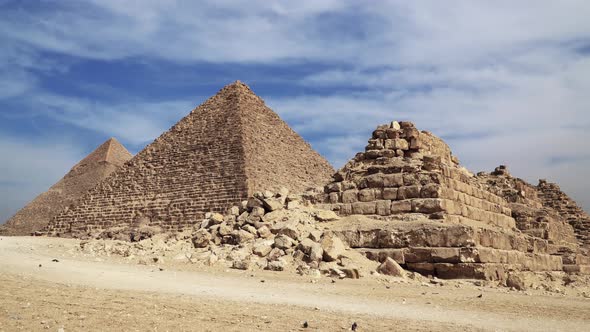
pixel 268 231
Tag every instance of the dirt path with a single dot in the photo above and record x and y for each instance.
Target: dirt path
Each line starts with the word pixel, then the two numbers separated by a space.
pixel 287 300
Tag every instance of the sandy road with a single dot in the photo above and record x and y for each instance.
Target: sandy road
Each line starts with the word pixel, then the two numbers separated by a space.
pixel 346 299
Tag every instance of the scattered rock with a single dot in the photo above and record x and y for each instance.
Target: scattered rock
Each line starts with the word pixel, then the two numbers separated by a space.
pixel 325 215
pixel 332 246
pixel 391 268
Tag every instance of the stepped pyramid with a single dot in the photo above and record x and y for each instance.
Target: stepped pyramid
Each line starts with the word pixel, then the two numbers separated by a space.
pixel 221 153
pixel 435 217
pixel 97 166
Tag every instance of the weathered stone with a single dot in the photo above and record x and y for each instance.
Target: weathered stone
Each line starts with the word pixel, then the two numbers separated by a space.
pixel 283 242
pixel 290 231
pixel 216 218
pixel 393 180
pixel 325 215
pixel 350 196
pixel 401 207
pixel 272 204
pixel 390 193
pixel 264 232
pixel 262 248
pixel 276 265
pixel 408 192
pixel 315 235
pixel 364 208
pixel 332 247
pixel 312 250
pixel 391 268
pixel 201 238
pixel 367 195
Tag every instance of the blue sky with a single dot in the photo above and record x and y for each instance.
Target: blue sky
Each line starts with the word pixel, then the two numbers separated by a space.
pixel 503 82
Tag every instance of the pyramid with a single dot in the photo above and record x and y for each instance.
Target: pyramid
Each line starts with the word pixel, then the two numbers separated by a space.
pixel 97 166
pixel 221 153
pixel 436 218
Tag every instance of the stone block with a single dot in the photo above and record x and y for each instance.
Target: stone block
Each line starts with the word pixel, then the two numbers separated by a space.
pixel 366 195
pixel 364 208
pixel 390 193
pixel 374 181
pixel 401 207
pixel 428 205
pixel 408 192
pixel 380 255
pixel 426 269
pixel 333 198
pixel 383 207
pixel 418 255
pixel 431 190
pixel 350 196
pixel 393 180
pixel 445 255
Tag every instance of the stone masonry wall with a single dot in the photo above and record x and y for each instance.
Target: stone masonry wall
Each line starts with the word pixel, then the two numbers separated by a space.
pixel 200 165
pixel 552 196
pixel 405 171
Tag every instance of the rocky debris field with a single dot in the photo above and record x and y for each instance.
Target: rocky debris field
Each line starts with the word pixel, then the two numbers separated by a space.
pixel 50 284
pixel 278 232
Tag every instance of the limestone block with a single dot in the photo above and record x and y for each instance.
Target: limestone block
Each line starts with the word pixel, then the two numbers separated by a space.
pixel 380 255
pixel 398 207
pixel 346 209
pixel 418 255
pixel 410 179
pixel 431 191
pixel 332 246
pixel 445 255
pixel 390 193
pixel 428 205
pixel 333 198
pixel 393 180
pixel 366 195
pixel 373 181
pixel 373 154
pixel 383 207
pixel 422 268
pixel 364 208
pixel 411 132
pixel 392 133
pixel 470 271
pixel 408 192
pixel 391 268
pixel 387 153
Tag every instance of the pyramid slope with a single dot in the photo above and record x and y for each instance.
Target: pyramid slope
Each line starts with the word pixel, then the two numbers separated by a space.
pixel 97 166
pixel 201 164
pixel 270 143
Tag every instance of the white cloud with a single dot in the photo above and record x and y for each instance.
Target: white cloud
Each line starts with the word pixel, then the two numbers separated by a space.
pixel 134 122
pixel 506 76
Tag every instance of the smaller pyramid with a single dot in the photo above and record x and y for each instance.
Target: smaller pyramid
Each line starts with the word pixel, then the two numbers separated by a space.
pixel 94 168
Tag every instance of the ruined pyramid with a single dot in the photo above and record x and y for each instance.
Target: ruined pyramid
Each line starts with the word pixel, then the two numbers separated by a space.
pixel 97 166
pixel 435 217
pixel 221 153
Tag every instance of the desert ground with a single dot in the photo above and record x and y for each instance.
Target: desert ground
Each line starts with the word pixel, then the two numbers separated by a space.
pixel 48 284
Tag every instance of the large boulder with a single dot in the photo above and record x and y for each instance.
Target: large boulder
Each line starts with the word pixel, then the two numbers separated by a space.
pixel 332 247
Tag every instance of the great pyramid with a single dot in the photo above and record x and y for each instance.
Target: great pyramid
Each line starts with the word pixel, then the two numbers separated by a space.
pixel 221 153
pixel 97 166
pixel 435 217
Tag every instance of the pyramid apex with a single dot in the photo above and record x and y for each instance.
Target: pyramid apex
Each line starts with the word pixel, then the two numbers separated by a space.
pixel 238 86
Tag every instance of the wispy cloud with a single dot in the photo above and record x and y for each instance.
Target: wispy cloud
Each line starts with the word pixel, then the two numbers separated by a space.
pixel 503 81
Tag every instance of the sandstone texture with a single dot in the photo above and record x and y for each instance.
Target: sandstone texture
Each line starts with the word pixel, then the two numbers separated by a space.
pixel 441 220
pixel 97 166
pixel 220 154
